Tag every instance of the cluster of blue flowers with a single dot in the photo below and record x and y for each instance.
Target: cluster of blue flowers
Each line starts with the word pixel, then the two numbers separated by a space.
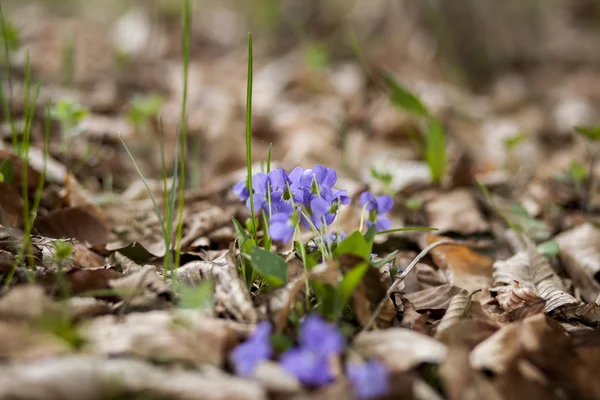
pixel 305 196
pixel 311 361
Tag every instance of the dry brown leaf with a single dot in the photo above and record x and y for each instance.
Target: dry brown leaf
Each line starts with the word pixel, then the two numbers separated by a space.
pixel 73 223
pixel 580 255
pixel 143 290
pixel 11 206
pixel 89 280
pixel 429 277
pixel 498 352
pixel 26 303
pixel 435 298
pixel 90 378
pixel 457 212
pixel 533 272
pixel 520 302
pixel 77 197
pixel 87 307
pixel 462 266
pixel 230 294
pixel 457 309
pixel 411 319
pixel 23 342
pixel 275 379
pixel 278 303
pixel 186 335
pixel 33 176
pixel 399 349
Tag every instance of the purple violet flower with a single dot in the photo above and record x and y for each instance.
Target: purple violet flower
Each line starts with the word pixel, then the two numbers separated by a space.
pixel 320 337
pixel 257 348
pixel 259 188
pixel 283 226
pixel 285 192
pixel 370 380
pixel 319 342
pixel 376 207
pixel 241 190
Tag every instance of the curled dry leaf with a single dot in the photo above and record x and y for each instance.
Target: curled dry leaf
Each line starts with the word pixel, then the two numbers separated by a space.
pixel 533 272
pixel 230 294
pixel 202 222
pixel 520 301
pixel 580 254
pixel 279 302
pixel 85 377
pixel 162 336
pixel 11 205
pixel 73 223
pixel 457 212
pixel 399 349
pixel 462 266
pixel 411 319
pixel 142 290
pixel 457 309
pixel 87 307
pixel 77 197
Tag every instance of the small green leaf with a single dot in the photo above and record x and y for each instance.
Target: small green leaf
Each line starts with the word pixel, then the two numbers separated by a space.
pixel 6 169
pixel 380 263
pixel 401 97
pixel 281 342
pixel 355 244
pixel 198 297
pixel 141 109
pixel 240 232
pixel 435 151
pixel 370 233
pixel 577 172
pixel 549 248
pixel 513 142
pixel 271 267
pixel 590 132
pixel 414 204
pixel 408 229
pixel 384 177
pixel 317 56
pixel 348 285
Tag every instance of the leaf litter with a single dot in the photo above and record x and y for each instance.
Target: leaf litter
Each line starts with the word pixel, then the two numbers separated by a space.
pixel 119 284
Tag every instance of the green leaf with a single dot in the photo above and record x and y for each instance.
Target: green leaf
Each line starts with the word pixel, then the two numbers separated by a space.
pixel 317 56
pixel 384 177
pixel 435 151
pixel 348 285
pixel 577 172
pixel 549 248
pixel 355 244
pixel 142 109
pixel 240 232
pixel 513 142
pixel 281 342
pixel 380 263
pixel 6 169
pixel 590 132
pixel 270 267
pixel 414 204
pixel 401 97
pixel 198 297
pixel 370 233
pixel 410 228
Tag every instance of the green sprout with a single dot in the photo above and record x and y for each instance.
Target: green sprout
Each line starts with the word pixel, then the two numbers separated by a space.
pixel 70 114
pixel 142 109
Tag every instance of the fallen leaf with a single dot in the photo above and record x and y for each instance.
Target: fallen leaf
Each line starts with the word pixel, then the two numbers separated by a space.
pixel 230 294
pixel 520 301
pixel 162 336
pixel 411 319
pixel 462 266
pixel 11 206
pixel 26 303
pixel 275 379
pixel 533 272
pixel 456 212
pixel 435 298
pixel 457 309
pixel 24 342
pixel 142 290
pixel 578 252
pixel 73 222
pixel 87 377
pixel 88 281
pixel 399 349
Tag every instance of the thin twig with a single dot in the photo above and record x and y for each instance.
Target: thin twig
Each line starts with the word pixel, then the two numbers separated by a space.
pixel 401 277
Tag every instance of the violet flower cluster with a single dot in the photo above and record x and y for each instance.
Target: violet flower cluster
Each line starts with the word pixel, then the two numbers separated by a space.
pixel 311 362
pixel 304 195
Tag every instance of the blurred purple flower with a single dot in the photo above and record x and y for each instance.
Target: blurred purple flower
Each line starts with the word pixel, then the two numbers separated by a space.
pixel 285 192
pixel 329 239
pixel 377 207
pixel 320 337
pixel 310 368
pixel 282 226
pixel 370 380
pixel 241 190
pixel 259 189
pixel 257 348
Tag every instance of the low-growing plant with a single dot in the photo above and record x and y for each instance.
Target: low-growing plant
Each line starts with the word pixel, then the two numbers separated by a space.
pixel 69 114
